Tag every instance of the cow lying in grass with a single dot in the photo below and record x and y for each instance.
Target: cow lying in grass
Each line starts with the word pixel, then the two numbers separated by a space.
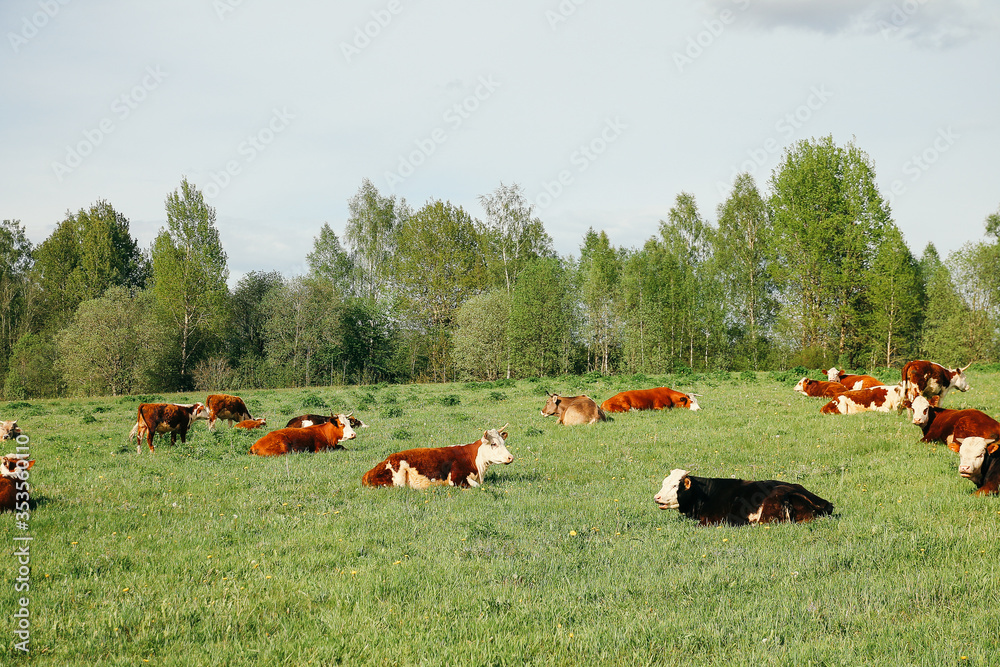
pixel 650 399
pixel 573 410
pixel 13 482
pixel 979 462
pixel 252 423
pixel 883 398
pixel 303 421
pixel 852 382
pixel 309 439
pixel 737 502
pixel 9 430
pixel 951 426
pixel 817 388
pixel 458 465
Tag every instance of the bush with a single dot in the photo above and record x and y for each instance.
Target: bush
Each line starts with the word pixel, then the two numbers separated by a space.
pixel 450 400
pixel 313 401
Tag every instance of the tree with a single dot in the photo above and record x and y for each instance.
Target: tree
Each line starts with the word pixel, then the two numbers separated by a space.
pixel 544 319
pixel 105 348
pixel 513 237
pixel 302 331
pixel 329 260
pixel 15 286
pixel 743 250
pixel 943 312
pixel 32 370
pixel 371 232
pixel 599 270
pixel 439 264
pixel 481 347
pixel 189 276
pixel 87 253
pixel 895 295
pixel 247 345
pixel 829 219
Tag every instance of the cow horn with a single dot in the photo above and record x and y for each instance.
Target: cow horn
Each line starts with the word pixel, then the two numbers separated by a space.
pixel 503 428
pixel 966 367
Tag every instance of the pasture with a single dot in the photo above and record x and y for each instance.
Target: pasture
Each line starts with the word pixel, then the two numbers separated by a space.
pixel 201 554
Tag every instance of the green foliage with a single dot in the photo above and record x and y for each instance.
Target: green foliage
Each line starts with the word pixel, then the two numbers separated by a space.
pixel 481 345
pixel 313 401
pixel 15 286
pixel 543 319
pixel 450 400
pixel 32 370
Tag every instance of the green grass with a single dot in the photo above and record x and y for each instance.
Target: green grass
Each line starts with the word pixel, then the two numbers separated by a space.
pixel 201 554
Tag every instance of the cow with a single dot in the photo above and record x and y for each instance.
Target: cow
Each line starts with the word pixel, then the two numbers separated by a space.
pixel 13 482
pixel 816 388
pixel 309 439
pixel 852 382
pixel 650 399
pixel 979 462
pixel 573 410
pixel 251 423
pixel 310 420
pixel 737 502
pixel 925 378
pixel 884 398
pixel 458 465
pixel 224 406
pixel 9 430
pixel 950 426
pixel 172 418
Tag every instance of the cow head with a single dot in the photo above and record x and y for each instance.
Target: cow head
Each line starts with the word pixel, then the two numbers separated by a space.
pixel 12 465
pixel 344 421
pixel 552 405
pixel 9 430
pixel 833 375
pixel 355 422
pixel 802 384
pixel 667 497
pixel 493 448
pixel 921 410
pixel 200 411
pixel 957 379
pixel 972 454
pixel 694 402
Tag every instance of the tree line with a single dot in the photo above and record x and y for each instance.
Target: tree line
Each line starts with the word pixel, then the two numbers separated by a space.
pixel 810 271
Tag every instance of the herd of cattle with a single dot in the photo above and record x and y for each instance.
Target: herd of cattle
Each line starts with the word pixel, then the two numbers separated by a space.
pixel 971 433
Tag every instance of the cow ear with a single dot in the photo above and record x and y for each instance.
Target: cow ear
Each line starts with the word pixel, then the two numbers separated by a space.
pixel 687 482
pixel 991 448
pixel 955 446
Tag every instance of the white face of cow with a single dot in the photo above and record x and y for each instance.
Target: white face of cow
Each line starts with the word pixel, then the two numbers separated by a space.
pixel 667 497
pixel 833 375
pixel 971 456
pixel 349 433
pixel 921 410
pixel 200 412
pixel 694 402
pixel 958 380
pixel 801 386
pixel 494 449
pixel 13 465
pixel 9 430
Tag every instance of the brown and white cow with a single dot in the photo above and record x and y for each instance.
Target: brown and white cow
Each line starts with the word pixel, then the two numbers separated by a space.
pixel 979 462
pixel 573 410
pixel 650 399
pixel 14 488
pixel 950 426
pixel 309 439
pixel 852 382
pixel 458 465
pixel 817 388
pixel 737 502
pixel 884 398
pixel 252 423
pixel 229 408
pixel 172 418
pixel 9 430
pixel 303 421
pixel 926 378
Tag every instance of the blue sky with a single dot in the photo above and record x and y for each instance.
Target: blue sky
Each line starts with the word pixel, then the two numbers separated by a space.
pixel 603 112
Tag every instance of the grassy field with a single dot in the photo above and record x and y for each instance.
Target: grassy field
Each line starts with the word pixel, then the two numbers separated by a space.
pixel 202 555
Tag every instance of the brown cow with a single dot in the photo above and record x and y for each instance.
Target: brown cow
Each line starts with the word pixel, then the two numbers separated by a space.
pixel 737 502
pixel 883 398
pixel 310 439
pixel 573 410
pixel 9 430
pixel 224 406
pixel 14 489
pixel 251 423
pixel 172 418
pixel 979 462
pixel 950 426
pixel 650 399
pixel 816 388
pixel 852 382
pixel 458 465
pixel 303 421
pixel 925 378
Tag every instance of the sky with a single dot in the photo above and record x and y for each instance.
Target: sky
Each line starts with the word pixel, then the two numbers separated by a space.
pixel 603 112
